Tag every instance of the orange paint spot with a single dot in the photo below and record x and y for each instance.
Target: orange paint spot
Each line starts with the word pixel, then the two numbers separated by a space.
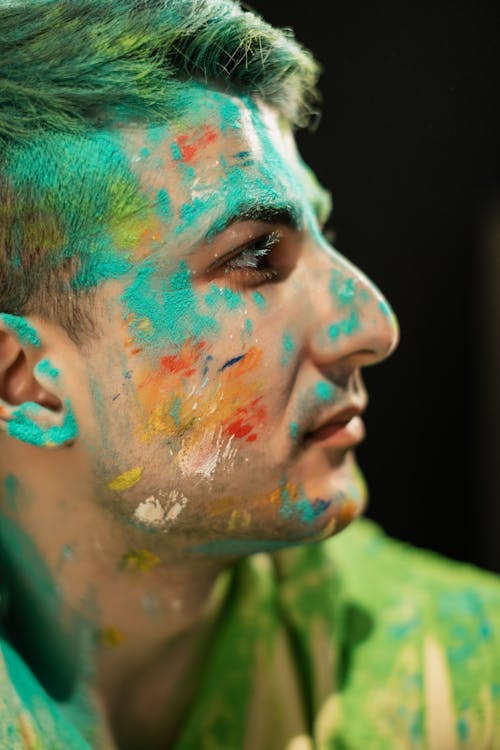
pixel 349 511
pixel 190 144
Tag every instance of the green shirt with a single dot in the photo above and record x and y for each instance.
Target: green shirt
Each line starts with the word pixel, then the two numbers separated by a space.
pixel 359 642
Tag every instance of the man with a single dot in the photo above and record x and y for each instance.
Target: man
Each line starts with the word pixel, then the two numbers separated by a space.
pixel 180 359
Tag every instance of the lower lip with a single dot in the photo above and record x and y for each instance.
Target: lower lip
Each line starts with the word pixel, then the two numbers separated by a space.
pixel 339 434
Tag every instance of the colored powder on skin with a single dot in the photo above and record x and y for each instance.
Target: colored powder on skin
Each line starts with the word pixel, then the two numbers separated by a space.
pixel 248 326
pixel 11 485
pixel 240 546
pixel 231 362
pixel 23 428
pixel 111 636
pixel 175 411
pixel 126 480
pixel 288 348
pixel 171 313
pixel 343 290
pixel 259 300
pixel 99 267
pixel 217 294
pixel 45 368
pixel 176 152
pixel 163 205
pixel 140 559
pixel 344 327
pixel 144 152
pixel 25 331
pixel 294 430
pixel 324 391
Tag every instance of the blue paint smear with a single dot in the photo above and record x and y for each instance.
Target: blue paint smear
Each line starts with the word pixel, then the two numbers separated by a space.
pixel 231 362
pixel 25 331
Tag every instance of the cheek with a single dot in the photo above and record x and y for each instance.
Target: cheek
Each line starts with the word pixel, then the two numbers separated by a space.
pixel 195 397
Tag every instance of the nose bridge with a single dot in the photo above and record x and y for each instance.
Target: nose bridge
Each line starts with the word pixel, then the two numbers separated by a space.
pixel 351 317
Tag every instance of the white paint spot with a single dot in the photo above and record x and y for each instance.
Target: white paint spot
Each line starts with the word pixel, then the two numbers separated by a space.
pixel 150 512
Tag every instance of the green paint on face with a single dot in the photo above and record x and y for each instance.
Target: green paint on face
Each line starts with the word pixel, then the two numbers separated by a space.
pixel 24 330
pixel 294 430
pixel 45 368
pixel 342 289
pixel 22 427
pixel 324 391
pixel 248 326
pixel 344 327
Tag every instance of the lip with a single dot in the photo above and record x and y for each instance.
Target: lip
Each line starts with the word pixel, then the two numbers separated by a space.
pixel 343 430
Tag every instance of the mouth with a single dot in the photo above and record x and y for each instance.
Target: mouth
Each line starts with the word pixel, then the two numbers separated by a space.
pixel 344 430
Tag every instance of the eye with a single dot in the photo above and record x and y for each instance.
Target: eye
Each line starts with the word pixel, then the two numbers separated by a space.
pixel 250 262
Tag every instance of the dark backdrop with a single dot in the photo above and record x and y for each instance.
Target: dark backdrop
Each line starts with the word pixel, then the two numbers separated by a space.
pixel 408 144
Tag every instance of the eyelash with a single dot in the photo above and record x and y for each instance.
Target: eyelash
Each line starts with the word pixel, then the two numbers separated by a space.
pixel 244 265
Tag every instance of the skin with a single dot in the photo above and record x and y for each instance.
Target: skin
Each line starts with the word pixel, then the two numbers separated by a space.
pixel 174 444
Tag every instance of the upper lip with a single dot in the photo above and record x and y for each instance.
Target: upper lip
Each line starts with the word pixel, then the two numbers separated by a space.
pixel 341 415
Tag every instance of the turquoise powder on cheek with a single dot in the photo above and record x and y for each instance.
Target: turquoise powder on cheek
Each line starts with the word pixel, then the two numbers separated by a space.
pixel 218 294
pixel 294 430
pixel 259 300
pixel 25 331
pixel 171 309
pixel 288 348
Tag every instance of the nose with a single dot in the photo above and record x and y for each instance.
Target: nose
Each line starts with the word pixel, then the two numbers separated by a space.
pixel 352 324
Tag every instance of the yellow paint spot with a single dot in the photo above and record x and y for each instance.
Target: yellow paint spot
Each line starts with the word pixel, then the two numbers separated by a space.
pixel 140 559
pixel 240 519
pixel 126 480
pixel 111 636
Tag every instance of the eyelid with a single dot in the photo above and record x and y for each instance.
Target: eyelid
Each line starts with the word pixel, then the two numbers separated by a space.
pixel 274 235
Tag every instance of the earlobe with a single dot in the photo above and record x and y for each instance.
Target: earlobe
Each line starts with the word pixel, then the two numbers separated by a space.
pixel 33 408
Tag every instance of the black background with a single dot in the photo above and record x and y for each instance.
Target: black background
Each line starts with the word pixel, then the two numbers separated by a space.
pixel 408 144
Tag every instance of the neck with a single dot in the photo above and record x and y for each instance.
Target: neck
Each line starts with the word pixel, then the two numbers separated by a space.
pixel 124 622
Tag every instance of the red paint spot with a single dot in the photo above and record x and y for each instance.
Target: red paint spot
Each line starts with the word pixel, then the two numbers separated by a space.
pixel 190 144
pixel 184 361
pixel 136 351
pixel 246 419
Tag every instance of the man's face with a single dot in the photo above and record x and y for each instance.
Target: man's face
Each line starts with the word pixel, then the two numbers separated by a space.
pixel 237 332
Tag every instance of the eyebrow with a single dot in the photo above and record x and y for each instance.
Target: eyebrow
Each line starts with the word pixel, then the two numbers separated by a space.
pixel 285 214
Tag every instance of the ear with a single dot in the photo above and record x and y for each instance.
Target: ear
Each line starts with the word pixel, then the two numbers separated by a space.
pixel 33 405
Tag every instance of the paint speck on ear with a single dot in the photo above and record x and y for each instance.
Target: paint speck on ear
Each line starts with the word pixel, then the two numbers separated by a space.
pixel 140 559
pixel 126 480
pixel 44 367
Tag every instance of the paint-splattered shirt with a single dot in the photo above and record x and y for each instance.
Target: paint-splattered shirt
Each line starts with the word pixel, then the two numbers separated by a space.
pixel 356 643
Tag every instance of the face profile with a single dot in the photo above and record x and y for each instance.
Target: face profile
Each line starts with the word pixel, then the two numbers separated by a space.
pixel 184 561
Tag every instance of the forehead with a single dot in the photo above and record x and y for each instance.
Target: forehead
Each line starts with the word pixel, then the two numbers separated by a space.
pixel 220 155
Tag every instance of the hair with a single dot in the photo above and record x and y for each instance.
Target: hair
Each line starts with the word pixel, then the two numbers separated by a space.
pixel 66 68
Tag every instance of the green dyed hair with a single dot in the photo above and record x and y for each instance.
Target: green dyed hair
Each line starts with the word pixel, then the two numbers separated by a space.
pixel 66 68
